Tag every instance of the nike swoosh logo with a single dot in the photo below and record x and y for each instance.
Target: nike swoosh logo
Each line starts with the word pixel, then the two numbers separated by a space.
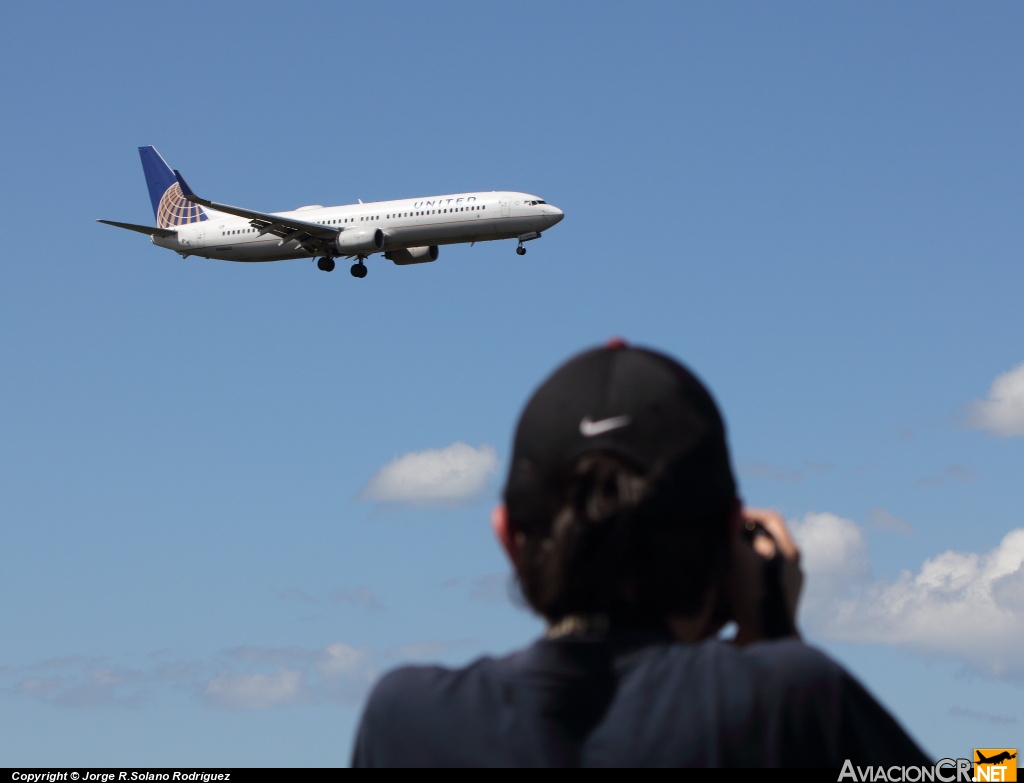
pixel 590 428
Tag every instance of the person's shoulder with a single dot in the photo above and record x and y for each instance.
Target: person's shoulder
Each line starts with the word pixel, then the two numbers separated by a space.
pixel 771 667
pixel 421 689
pixel 421 685
pixel 410 679
pixel 725 704
pixel 436 705
pixel 816 695
pixel 778 656
pixel 792 656
pixel 399 684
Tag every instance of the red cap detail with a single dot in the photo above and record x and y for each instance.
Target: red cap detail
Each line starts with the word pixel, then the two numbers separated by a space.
pixel 616 342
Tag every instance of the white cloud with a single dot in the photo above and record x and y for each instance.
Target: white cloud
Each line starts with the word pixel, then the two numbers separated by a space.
pixel 983 717
pixel 339 658
pixel 491 589
pixel 254 691
pixel 79 682
pixel 423 651
pixel 884 520
pixel 295 594
pixel 755 467
pixel 949 474
pixel 271 656
pixel 357 596
pixel 337 673
pixel 249 678
pixel 834 556
pixel 360 596
pixel 1002 412
pixel 964 604
pixel 436 477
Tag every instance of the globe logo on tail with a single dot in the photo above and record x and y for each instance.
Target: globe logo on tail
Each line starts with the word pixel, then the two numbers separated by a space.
pixel 175 210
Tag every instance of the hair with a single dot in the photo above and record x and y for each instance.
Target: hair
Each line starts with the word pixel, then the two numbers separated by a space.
pixel 607 540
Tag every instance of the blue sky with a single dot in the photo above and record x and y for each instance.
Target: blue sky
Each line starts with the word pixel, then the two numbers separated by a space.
pixel 816 206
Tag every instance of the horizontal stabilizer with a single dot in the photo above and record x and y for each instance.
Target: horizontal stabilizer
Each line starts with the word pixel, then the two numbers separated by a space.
pixel 151 230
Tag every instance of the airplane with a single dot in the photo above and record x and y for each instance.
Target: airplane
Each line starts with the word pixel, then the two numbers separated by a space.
pixel 406 231
pixel 996 759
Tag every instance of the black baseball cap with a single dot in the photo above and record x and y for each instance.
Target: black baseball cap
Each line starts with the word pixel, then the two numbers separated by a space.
pixel 635 404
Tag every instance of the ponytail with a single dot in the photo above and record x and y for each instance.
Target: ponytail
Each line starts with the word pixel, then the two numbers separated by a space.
pixel 610 541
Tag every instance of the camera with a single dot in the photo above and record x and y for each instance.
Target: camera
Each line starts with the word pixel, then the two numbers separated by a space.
pixel 775 620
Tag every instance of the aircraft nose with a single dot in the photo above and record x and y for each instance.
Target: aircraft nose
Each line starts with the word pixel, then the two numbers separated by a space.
pixel 554 213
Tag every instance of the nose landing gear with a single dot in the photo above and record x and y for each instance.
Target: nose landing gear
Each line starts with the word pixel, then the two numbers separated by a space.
pixel 526 238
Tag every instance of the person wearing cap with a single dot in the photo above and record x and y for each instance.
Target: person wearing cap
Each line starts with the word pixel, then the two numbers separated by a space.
pixel 622 523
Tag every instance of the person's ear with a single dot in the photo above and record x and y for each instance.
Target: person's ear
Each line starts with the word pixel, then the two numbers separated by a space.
pixel 504 533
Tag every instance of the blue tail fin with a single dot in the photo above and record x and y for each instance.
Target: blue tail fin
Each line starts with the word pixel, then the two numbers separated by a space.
pixel 169 205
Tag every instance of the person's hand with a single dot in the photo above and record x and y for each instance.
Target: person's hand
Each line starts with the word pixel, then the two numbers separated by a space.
pixel 766 578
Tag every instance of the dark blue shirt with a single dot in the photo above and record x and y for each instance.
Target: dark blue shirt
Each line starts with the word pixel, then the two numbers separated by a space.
pixel 632 698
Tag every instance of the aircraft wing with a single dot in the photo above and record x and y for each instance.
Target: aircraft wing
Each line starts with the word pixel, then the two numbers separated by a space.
pixel 152 231
pixel 315 237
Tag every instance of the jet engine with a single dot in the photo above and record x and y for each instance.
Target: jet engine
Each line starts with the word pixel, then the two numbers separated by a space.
pixel 413 255
pixel 360 241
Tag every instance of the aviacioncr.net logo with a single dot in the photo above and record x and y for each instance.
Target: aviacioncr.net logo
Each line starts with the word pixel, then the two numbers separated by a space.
pixel 998 764
pixel 944 771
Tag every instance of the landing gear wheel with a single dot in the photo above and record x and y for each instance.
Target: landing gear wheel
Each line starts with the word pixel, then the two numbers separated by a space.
pixel 358 270
pixel 521 250
pixel 325 264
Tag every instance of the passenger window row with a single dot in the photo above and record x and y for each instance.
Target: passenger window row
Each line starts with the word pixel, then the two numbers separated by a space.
pixel 340 221
pixel 419 213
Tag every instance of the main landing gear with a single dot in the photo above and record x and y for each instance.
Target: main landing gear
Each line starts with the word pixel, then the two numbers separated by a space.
pixel 327 264
pixel 521 250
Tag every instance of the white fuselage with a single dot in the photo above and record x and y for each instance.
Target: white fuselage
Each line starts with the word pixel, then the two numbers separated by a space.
pixel 406 223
